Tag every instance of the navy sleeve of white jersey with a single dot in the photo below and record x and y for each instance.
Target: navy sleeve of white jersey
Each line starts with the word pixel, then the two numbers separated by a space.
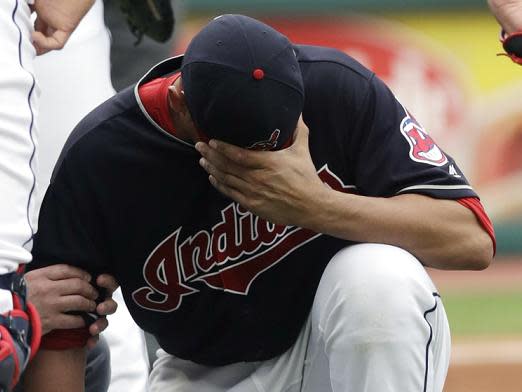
pixel 394 154
pixel 69 225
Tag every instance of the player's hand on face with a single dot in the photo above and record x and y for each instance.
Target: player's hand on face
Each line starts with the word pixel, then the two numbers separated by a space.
pixel 280 186
pixel 105 308
pixel 55 22
pixel 58 289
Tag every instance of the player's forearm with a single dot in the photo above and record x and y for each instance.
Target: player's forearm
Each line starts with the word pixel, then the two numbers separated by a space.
pixel 441 233
pixel 508 14
pixel 56 371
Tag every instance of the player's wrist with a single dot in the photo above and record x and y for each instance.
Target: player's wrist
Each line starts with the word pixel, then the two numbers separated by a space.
pixel 328 209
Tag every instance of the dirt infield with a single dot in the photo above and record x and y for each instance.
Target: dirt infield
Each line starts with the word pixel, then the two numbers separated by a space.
pixel 485 378
pixel 492 364
pixel 486 366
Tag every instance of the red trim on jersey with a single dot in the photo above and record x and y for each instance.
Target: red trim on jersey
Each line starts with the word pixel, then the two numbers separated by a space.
pixel 154 96
pixel 476 206
pixel 64 339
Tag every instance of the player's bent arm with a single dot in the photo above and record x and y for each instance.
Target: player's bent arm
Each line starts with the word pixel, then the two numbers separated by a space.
pixel 56 371
pixel 441 233
pixel 283 187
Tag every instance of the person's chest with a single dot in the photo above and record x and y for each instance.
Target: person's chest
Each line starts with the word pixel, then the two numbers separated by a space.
pixel 170 234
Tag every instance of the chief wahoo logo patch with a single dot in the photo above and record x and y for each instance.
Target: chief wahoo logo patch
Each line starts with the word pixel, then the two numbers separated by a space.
pixel 267 145
pixel 422 147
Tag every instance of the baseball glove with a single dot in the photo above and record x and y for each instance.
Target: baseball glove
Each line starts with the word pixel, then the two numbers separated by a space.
pixel 512 44
pixel 20 333
pixel 154 18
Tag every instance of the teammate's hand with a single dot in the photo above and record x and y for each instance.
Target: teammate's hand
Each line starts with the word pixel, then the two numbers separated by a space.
pixel 280 186
pixel 55 22
pixel 508 14
pixel 105 308
pixel 58 289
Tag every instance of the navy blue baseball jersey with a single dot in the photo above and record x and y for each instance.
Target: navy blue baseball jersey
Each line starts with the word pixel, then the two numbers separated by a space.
pixel 212 282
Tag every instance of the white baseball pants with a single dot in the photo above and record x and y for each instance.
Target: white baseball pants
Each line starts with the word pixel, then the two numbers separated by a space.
pixel 18 134
pixel 376 325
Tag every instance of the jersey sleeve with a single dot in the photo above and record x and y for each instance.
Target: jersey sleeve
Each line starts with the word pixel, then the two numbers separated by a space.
pixel 69 233
pixel 394 154
pixel 477 208
pixel 69 227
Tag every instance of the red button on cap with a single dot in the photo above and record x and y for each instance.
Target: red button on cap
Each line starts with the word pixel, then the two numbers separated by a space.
pixel 258 74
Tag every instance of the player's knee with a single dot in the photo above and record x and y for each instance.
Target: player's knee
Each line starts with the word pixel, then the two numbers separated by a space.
pixel 377 268
pixel 374 287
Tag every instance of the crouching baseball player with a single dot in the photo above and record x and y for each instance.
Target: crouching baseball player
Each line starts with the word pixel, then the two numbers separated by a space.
pixel 267 209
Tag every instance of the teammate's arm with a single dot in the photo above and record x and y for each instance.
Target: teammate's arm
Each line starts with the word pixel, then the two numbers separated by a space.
pixel 55 22
pixel 56 371
pixel 283 187
pixel 508 14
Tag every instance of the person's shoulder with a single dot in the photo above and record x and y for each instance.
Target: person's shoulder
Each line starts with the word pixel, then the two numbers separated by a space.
pixel 96 132
pixel 322 58
pixel 115 109
pixel 333 80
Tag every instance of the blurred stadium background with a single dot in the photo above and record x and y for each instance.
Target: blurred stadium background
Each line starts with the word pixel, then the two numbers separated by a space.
pixel 439 57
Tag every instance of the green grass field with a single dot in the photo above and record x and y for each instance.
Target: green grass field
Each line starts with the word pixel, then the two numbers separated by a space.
pixel 497 313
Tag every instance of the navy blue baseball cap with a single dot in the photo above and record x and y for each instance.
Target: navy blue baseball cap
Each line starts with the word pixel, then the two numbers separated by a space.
pixel 242 83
